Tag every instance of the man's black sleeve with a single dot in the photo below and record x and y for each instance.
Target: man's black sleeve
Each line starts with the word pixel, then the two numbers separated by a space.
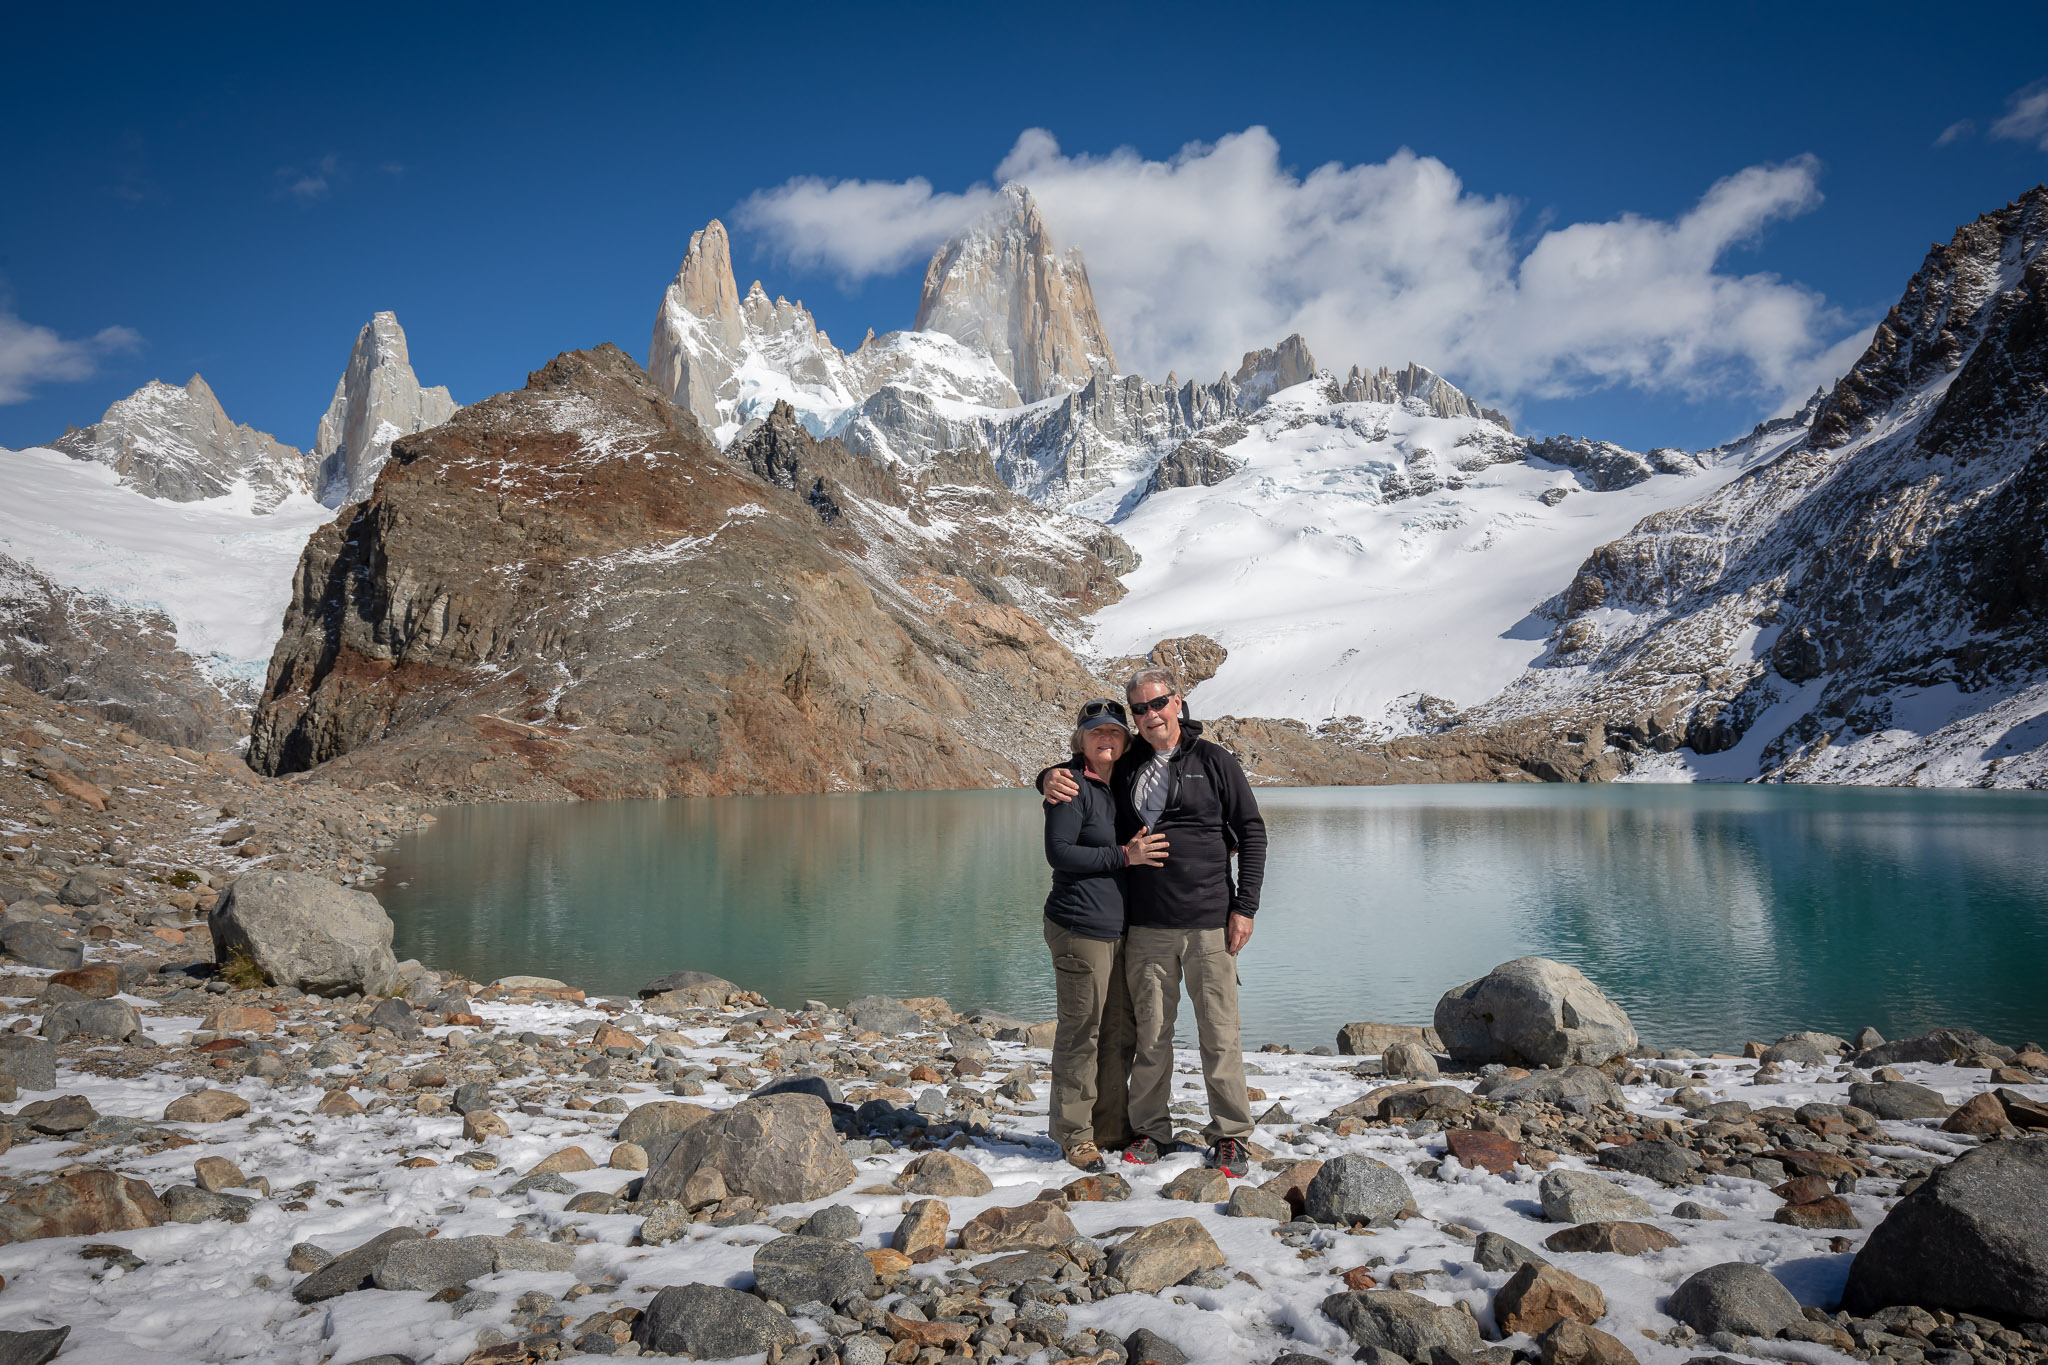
pixel 1241 814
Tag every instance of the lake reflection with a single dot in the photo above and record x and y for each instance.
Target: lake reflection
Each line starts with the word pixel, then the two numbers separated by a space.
pixel 1714 914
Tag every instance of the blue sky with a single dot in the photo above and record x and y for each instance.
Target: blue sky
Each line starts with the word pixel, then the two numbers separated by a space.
pixel 235 192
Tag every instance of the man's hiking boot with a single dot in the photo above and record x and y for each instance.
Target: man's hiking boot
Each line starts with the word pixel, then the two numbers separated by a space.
pixel 1085 1156
pixel 1142 1152
pixel 1230 1157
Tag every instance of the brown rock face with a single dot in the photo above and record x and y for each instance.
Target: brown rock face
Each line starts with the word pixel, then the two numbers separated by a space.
pixel 1036 1226
pixel 1541 1296
pixel 1612 1238
pixel 568 591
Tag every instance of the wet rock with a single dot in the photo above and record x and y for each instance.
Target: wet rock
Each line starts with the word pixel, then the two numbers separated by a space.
pixel 1495 1252
pixel 31 1062
pixel 1533 1012
pixel 711 1322
pixel 1036 1226
pixel 945 1175
pixel 1407 1324
pixel 1972 1238
pixel 1574 1089
pixel 1613 1239
pixel 84 1203
pixel 1898 1100
pixel 353 1269
pixel 1539 1297
pixel 1356 1189
pixel 922 1233
pixel 109 1019
pixel 38 945
pixel 1198 1185
pixel 206 1106
pixel 1582 1197
pixel 777 1150
pixel 1736 1297
pixel 1164 1254
pixel 1661 1159
pixel 1574 1343
pixel 801 1269
pixel 304 931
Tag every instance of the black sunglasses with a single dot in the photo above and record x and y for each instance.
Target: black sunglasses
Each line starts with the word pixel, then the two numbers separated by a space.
pixel 1139 708
pixel 1103 706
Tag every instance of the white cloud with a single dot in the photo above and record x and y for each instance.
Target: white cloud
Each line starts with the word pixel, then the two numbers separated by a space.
pixel 2026 116
pixel 1221 248
pixel 1956 132
pixel 311 185
pixel 32 355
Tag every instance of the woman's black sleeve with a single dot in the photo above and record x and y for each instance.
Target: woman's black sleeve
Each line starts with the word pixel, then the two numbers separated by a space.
pixel 1063 847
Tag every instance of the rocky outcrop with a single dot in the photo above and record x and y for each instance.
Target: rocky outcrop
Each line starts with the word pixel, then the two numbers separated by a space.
pixel 122 662
pixel 377 400
pixel 1194 660
pixel 1604 466
pixel 1003 288
pixel 1433 393
pixel 179 445
pixel 568 590
pixel 1197 461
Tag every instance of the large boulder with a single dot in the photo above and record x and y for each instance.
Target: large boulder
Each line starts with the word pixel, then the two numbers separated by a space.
pixel 1533 1012
pixel 1936 1045
pixel 307 932
pixel 881 1014
pixel 1164 1254
pixel 1373 1040
pixel 354 1269
pixel 1570 1196
pixel 440 1263
pixel 711 1322
pixel 113 1020
pixel 1973 1238
pixel 1356 1189
pixel 700 989
pixel 84 1203
pixel 1407 1324
pixel 39 945
pixel 1737 1297
pixel 1574 1089
pixel 1899 1100
pixel 798 1269
pixel 779 1149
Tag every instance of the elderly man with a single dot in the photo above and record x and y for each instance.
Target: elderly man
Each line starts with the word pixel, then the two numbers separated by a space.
pixel 1188 919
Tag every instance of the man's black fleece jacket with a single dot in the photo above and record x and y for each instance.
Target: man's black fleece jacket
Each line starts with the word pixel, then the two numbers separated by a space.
pixel 1209 810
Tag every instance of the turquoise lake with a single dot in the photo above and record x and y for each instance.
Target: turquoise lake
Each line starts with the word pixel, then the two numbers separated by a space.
pixel 1714 914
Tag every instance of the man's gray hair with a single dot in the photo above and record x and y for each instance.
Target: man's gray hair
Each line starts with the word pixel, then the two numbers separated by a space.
pixel 1155 674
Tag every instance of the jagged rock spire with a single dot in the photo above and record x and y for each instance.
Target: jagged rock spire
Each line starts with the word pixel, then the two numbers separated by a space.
pixel 1003 288
pixel 377 400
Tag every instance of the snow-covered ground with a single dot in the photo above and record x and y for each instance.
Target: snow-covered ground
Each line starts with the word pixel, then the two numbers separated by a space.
pixel 1334 600
pixel 221 570
pixel 219 1291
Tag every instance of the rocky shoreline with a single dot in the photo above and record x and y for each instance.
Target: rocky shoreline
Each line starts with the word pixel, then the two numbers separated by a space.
pixel 201 1161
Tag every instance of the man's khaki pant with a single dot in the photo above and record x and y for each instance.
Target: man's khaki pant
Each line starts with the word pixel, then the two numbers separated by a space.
pixel 1157 961
pixel 1091 1048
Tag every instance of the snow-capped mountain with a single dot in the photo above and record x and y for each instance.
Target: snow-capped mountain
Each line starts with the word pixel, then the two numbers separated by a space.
pixel 177 444
pixel 1871 605
pixel 377 400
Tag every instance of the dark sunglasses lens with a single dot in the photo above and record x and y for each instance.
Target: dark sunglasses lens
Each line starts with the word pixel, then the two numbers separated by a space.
pixel 1156 704
pixel 1102 708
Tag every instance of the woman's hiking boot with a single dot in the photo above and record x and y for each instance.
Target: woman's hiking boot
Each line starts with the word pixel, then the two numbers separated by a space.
pixel 1142 1152
pixel 1230 1157
pixel 1085 1156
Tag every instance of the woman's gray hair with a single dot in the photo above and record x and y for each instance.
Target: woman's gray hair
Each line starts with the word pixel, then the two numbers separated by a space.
pixel 1154 674
pixel 1074 741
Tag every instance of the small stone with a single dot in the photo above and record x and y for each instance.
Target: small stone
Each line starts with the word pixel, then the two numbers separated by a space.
pixel 1147 1347
pixel 1353 1189
pixel 239 1019
pixel 834 1220
pixel 1981 1116
pixel 217 1173
pixel 206 1106
pixel 1582 1197
pixel 890 1264
pixel 627 1156
pixel 1829 1211
pixel 1574 1343
pixel 664 1224
pixel 306 1258
pixel 84 1203
pixel 1097 1189
pixel 1694 1212
pixel 190 1204
pixel 1199 1185
pixel 338 1102
pixel 1540 1296
pixel 711 1322
pixel 1659 1159
pixel 1484 1151
pixel 1495 1252
pixel 1164 1254
pixel 1612 1238
pixel 35 1347
pixel 567 1159
pixel 481 1125
pixel 945 1175
pixel 60 1117
pixel 1410 1060
pixel 922 1234
pixel 1247 1201
pixel 1899 1101
pixel 1405 1324
pixel 806 1269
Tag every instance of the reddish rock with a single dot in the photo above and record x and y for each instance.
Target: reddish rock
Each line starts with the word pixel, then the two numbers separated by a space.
pixel 1484 1151
pixel 1574 1343
pixel 239 1019
pixel 96 982
pixel 84 1203
pixel 1830 1212
pixel 1617 1238
pixel 2020 1111
pixel 1981 1116
pixel 1541 1296
pixel 921 1235
pixel 1291 1183
pixel 1017 1227
pixel 1358 1279
pixel 1804 1189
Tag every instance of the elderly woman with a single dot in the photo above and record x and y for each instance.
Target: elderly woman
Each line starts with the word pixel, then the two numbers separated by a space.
pixel 1084 927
